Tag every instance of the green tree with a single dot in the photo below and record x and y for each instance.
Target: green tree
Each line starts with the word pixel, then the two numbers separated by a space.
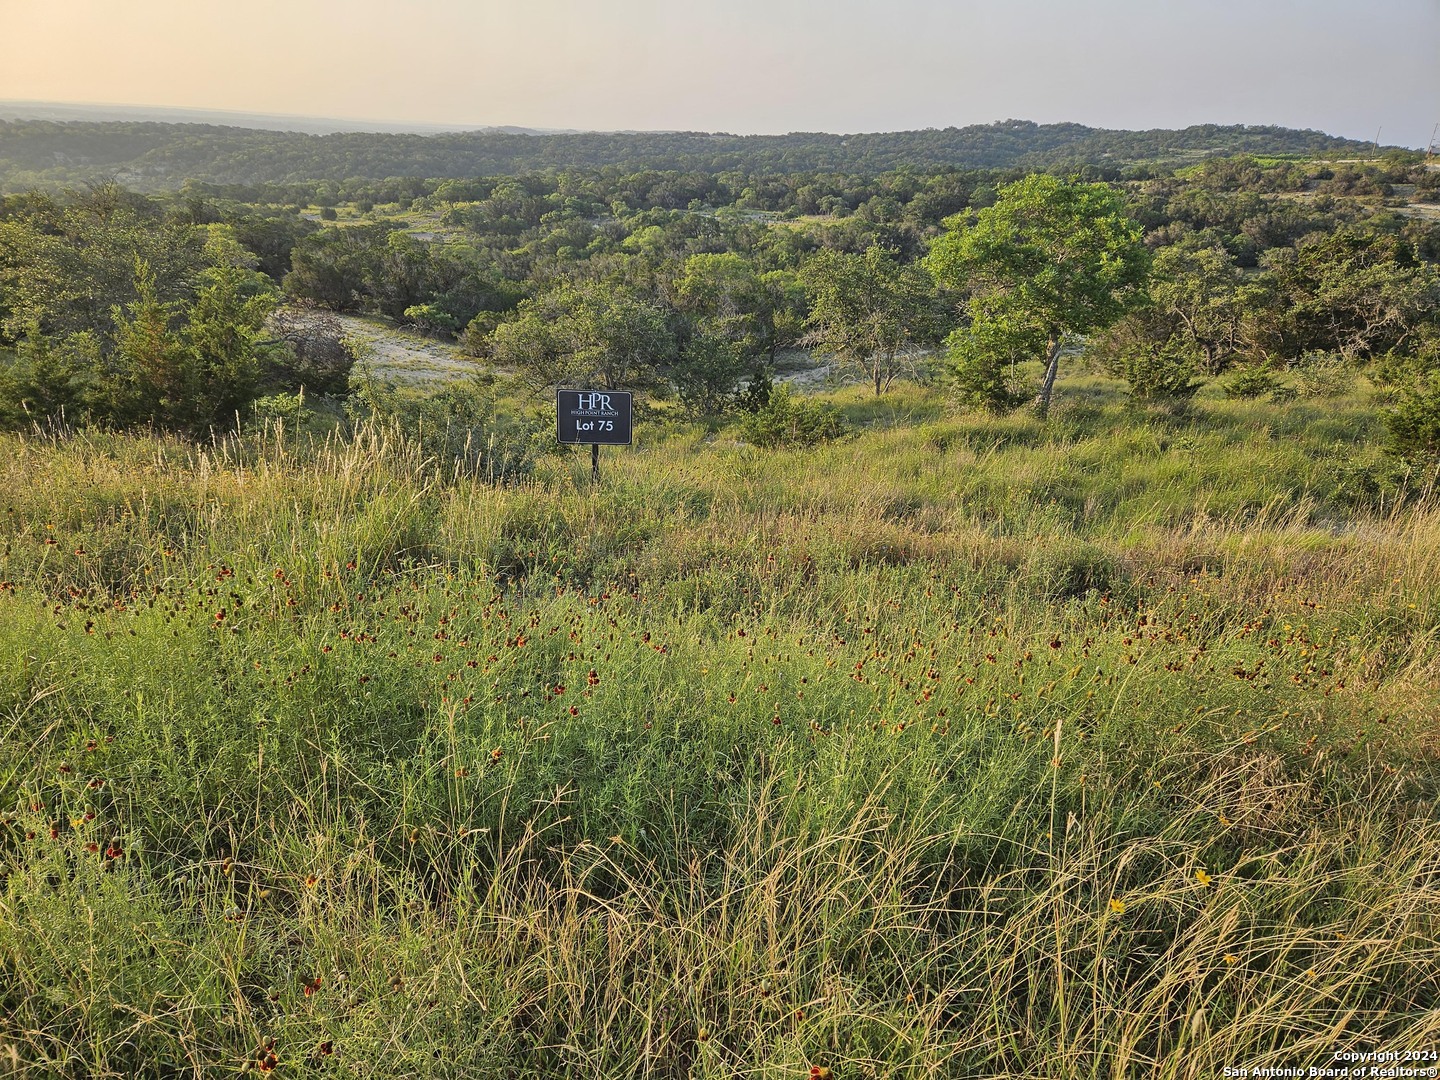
pixel 1049 258
pixel 869 312
pixel 150 377
pixel 1357 295
pixel 69 266
pixel 223 330
pixel 43 380
pixel 1198 295
pixel 591 335
pixel 729 329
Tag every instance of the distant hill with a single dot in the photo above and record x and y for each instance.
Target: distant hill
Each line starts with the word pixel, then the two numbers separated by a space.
pixel 314 125
pixel 153 156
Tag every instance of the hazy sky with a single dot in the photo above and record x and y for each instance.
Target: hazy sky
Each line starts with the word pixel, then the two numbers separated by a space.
pixel 1344 66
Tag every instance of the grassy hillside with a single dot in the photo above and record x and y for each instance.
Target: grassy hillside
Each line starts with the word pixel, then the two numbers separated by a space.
pixel 152 156
pixel 960 747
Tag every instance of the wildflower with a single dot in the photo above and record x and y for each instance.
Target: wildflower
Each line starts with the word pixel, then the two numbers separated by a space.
pixel 1117 906
pixel 311 987
pixel 266 1059
pixel 1231 958
pixel 1223 819
pixel 228 866
pixel 1202 877
pixel 311 881
pixel 820 1072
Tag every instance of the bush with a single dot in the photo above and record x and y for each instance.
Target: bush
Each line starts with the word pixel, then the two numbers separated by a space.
pixel 1252 381
pixel 788 420
pixel 1413 425
pixel 1323 375
pixel 983 370
pixel 1157 373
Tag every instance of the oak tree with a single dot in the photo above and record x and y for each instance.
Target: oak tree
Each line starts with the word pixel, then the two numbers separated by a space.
pixel 1049 258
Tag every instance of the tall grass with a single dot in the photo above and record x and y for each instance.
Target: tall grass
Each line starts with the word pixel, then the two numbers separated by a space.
pixel 965 747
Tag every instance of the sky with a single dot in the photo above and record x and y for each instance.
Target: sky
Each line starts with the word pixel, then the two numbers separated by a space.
pixel 1347 67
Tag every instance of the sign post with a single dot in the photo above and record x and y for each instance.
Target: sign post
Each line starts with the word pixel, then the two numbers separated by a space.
pixel 597 417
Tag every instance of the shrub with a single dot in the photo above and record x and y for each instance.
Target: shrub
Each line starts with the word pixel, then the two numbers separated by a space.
pixel 983 369
pixel 1323 375
pixel 788 420
pixel 1251 381
pixel 317 357
pixel 1157 373
pixel 1413 425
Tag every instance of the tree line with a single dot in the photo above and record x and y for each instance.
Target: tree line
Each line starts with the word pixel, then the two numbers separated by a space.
pixel 157 156
pixel 132 309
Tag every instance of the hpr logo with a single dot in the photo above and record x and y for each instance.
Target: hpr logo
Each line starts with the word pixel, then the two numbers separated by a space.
pixel 593 402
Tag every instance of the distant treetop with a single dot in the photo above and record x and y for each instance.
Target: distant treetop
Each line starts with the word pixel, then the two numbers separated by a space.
pixel 160 156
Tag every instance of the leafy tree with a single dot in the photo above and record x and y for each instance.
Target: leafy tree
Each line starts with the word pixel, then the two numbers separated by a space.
pixel 68 267
pixel 709 370
pixel 734 319
pixel 869 312
pixel 1357 295
pixel 334 266
pixel 1049 258
pixel 590 335
pixel 1199 298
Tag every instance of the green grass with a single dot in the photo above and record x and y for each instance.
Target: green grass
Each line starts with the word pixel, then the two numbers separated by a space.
pixel 961 747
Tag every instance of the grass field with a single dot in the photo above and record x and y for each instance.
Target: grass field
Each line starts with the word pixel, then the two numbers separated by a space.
pixel 962 747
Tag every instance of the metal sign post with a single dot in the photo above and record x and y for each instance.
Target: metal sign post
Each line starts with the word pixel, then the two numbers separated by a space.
pixel 597 417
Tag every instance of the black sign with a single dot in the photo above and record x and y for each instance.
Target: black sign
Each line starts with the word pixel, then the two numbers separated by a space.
pixel 594 416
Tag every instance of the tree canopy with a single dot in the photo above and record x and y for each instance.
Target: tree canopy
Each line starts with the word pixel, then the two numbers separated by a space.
pixel 1049 258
